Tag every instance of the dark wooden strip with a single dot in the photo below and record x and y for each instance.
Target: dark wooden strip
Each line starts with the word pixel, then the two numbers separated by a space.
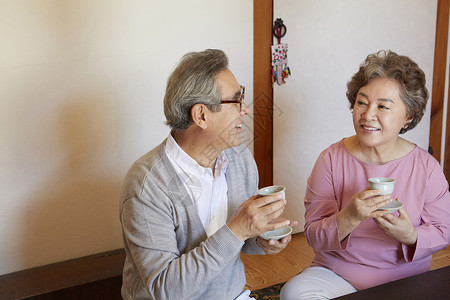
pixel 262 90
pixel 438 90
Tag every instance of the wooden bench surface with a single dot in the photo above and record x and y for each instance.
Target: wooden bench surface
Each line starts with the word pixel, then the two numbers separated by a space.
pixel 67 275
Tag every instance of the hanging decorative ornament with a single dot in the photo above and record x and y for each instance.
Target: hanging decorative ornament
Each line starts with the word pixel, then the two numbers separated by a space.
pixel 280 69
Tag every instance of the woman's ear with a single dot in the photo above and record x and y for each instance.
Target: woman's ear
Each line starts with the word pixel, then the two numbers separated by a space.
pixel 199 115
pixel 408 121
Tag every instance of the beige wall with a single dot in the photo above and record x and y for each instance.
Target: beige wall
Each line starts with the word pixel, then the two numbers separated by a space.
pixel 81 87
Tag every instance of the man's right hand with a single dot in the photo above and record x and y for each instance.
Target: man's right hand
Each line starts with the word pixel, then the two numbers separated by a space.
pixel 254 216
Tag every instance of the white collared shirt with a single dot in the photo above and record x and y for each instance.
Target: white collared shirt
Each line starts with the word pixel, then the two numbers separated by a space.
pixel 208 191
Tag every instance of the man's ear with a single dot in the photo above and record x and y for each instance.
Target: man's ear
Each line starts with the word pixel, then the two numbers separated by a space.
pixel 199 115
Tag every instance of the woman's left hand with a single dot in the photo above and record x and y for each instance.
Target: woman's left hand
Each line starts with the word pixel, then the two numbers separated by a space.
pixel 400 228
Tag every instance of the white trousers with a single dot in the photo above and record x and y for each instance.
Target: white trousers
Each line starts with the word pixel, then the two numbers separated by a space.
pixel 315 283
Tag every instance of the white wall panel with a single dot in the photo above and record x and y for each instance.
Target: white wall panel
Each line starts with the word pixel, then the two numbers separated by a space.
pixel 81 90
pixel 327 42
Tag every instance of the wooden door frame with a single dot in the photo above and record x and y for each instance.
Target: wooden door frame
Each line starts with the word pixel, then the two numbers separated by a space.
pixel 263 92
pixel 438 89
pixel 446 165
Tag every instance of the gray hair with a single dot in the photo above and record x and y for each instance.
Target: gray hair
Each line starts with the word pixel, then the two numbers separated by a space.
pixel 193 81
pixel 401 69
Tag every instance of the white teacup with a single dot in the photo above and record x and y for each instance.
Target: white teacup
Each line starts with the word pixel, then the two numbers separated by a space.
pixel 273 189
pixel 276 234
pixel 383 184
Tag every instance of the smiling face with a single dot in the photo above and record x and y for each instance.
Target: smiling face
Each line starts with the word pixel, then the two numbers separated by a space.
pixel 379 113
pixel 227 123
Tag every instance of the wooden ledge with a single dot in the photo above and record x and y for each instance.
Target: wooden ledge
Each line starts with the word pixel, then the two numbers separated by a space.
pixel 100 274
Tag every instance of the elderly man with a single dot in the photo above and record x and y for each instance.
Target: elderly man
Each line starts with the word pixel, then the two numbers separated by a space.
pixel 188 207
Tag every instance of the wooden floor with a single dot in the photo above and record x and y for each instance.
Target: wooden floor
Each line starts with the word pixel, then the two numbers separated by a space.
pixel 265 270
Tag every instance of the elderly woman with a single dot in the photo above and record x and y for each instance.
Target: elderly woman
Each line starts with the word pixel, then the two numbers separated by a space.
pixel 356 245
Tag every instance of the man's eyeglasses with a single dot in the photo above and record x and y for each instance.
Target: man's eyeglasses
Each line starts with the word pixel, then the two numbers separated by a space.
pixel 239 99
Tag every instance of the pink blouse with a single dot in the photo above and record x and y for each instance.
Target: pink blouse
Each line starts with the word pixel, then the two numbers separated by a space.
pixel 368 256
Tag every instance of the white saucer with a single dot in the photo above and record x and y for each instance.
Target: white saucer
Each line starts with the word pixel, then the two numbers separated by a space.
pixel 393 206
pixel 277 234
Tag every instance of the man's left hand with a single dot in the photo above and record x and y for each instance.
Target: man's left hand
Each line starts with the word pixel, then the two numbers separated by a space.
pixel 275 246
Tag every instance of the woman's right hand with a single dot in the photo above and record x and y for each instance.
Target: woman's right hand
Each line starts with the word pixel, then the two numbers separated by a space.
pixel 362 206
